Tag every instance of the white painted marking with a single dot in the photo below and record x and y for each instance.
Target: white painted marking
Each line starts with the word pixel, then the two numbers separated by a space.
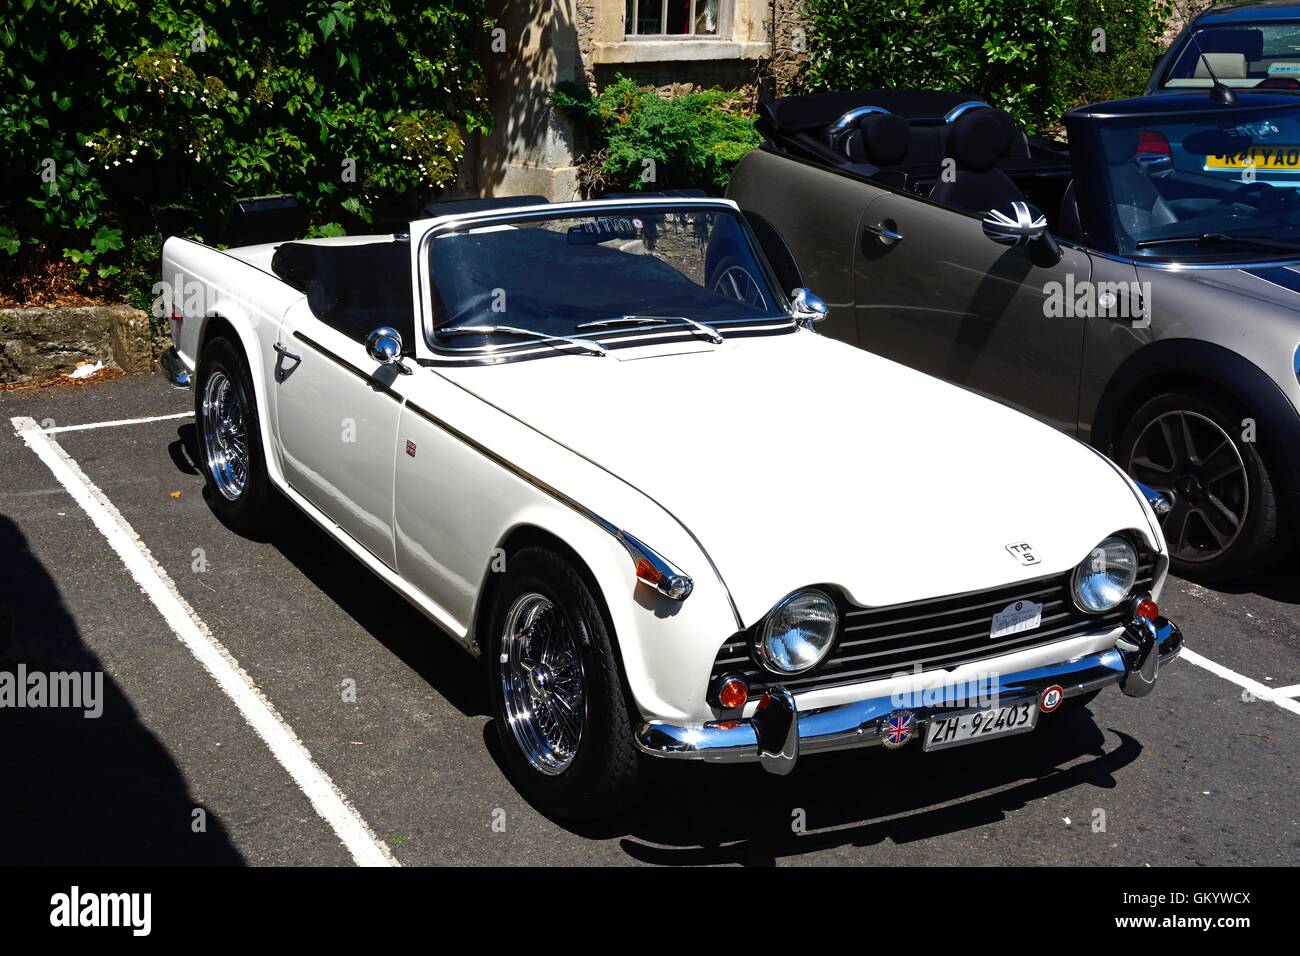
pixel 1262 691
pixel 119 421
pixel 1292 691
pixel 261 715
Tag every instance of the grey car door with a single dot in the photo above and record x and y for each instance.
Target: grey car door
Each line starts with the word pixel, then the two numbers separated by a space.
pixel 945 299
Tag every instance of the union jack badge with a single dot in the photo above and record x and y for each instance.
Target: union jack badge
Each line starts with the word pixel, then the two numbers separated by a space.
pixel 896 729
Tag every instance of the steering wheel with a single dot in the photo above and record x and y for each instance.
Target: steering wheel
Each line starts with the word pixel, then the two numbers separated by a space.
pixel 1244 190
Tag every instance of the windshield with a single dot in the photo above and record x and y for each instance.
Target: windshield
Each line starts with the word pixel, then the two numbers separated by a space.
pixel 624 274
pixel 1216 184
pixel 1262 54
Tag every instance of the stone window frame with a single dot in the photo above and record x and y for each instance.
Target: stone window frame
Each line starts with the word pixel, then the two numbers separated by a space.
pixel 723 33
pixel 742 35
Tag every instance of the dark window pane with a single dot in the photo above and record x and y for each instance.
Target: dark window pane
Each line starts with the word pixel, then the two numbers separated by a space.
pixel 679 16
pixel 648 17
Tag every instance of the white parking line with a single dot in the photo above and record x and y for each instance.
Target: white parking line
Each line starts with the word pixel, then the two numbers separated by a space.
pixel 119 421
pixel 1262 691
pixel 261 715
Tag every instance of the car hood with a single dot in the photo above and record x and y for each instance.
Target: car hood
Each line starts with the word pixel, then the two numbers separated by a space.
pixel 797 460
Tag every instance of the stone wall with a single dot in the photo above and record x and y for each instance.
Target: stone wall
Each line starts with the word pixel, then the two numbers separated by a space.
pixel 39 343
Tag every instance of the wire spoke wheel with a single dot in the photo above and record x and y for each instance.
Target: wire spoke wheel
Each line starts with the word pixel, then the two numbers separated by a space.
pixel 735 282
pixel 225 436
pixel 1191 460
pixel 542 683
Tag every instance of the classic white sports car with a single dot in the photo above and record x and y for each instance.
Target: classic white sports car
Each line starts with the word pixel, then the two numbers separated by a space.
pixel 596 444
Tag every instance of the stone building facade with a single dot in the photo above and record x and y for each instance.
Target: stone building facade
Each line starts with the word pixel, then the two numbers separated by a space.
pixel 539 43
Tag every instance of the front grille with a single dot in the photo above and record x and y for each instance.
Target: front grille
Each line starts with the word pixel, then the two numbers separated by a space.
pixel 937 634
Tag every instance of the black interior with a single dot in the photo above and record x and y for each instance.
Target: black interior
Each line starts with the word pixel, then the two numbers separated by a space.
pixel 353 288
pixel 903 145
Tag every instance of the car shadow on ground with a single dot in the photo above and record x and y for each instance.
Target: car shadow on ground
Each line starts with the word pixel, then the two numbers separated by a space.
pixel 1279 583
pixel 391 621
pixel 698 814
pixel 78 791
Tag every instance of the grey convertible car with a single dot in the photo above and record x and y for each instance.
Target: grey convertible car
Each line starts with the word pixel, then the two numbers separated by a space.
pixel 1136 289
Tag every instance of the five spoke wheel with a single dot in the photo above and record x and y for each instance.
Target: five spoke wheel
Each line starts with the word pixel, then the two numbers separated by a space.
pixel 1189 458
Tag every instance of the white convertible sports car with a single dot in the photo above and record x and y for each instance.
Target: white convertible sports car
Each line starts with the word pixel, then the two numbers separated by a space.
pixel 596 444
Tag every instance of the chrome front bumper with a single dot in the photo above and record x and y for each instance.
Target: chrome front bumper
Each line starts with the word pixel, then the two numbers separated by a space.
pixel 174 368
pixel 778 734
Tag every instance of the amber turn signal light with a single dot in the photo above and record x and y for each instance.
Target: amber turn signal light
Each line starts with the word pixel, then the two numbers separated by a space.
pixel 733 692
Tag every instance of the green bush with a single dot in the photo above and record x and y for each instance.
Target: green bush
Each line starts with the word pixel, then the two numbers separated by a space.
pixel 126 118
pixel 1034 58
pixel 692 140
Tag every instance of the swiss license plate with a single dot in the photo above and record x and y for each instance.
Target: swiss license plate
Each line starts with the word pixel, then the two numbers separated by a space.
pixel 1274 157
pixel 969 726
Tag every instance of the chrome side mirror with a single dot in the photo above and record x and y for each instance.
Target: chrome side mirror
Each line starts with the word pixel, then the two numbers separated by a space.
pixel 808 309
pixel 1015 224
pixel 384 345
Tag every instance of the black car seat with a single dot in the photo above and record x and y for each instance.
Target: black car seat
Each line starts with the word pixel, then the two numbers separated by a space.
pixel 1138 204
pixel 976 141
pixel 880 139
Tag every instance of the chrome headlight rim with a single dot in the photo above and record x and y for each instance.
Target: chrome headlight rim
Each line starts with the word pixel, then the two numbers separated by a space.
pixel 759 644
pixel 1080 570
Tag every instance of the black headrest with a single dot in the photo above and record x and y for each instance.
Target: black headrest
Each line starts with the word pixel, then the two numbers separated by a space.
pixel 977 140
pixel 1120 145
pixel 1249 43
pixel 885 138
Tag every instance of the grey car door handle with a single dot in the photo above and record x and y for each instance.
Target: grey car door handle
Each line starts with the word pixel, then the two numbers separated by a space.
pixel 885 232
pixel 285 352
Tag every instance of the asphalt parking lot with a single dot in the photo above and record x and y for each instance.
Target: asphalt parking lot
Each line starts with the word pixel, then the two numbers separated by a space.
pixel 392 718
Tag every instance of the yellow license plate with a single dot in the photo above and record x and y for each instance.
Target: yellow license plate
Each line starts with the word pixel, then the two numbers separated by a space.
pixel 1261 157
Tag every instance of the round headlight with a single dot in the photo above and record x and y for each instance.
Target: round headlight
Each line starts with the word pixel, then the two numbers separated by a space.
pixel 798 633
pixel 1104 578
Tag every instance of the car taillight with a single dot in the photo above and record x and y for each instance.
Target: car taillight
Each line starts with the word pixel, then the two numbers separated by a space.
pixel 1153 143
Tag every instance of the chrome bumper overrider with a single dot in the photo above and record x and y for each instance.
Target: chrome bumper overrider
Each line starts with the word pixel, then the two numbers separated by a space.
pixel 778 733
pixel 174 368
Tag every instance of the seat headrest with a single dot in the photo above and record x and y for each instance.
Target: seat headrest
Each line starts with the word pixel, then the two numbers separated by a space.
pixel 885 137
pixel 1120 145
pixel 1226 66
pixel 977 140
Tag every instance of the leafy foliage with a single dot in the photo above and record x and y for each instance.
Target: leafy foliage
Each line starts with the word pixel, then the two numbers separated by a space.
pixel 1033 58
pixel 648 141
pixel 123 118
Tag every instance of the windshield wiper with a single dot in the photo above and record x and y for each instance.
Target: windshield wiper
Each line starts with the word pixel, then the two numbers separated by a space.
pixel 1215 238
pixel 708 331
pixel 588 347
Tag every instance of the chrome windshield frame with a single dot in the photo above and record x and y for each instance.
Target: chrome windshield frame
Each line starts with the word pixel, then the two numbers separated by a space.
pixel 496 353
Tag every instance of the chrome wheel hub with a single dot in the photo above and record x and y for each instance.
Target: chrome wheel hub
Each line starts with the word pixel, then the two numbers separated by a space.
pixel 542 683
pixel 1196 465
pixel 225 436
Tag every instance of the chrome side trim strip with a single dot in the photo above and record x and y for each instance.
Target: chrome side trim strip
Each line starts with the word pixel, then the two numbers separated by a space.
pixel 652 568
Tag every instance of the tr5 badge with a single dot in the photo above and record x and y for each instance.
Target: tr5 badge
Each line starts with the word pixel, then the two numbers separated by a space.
pixel 1023 552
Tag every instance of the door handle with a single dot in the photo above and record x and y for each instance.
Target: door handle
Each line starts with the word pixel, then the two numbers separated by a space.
pixel 886 231
pixel 281 373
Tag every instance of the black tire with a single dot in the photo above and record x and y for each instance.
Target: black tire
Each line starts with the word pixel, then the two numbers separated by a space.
pixel 606 772
pixel 1255 540
pixel 256 509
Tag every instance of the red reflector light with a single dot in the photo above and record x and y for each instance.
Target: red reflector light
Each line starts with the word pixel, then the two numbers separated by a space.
pixel 1148 609
pixel 733 693
pixel 176 316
